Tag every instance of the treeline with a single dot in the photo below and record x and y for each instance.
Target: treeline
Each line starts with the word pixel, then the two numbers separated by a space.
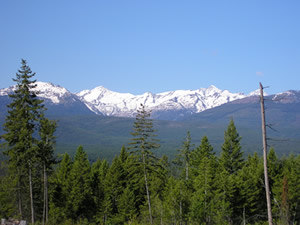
pixel 137 187
pixel 215 190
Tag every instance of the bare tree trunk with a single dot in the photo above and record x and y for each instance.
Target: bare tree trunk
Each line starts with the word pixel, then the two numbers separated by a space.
pixel 46 194
pixel 19 198
pixel 264 136
pixel 45 207
pixel 180 211
pixel 205 196
pixel 244 216
pixel 31 195
pixel 147 189
pixel 187 170
pixel 161 214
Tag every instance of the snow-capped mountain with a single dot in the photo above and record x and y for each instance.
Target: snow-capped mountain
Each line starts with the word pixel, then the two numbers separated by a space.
pixel 290 96
pixel 167 105
pixel 54 93
pixel 102 100
pixel 171 105
pixel 57 99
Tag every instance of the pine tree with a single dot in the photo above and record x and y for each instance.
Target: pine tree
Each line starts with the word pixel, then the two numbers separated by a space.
pixel 204 150
pixel 177 201
pixel 22 120
pixel 7 191
pixel 97 186
pixel 276 174
pixel 142 146
pixel 158 183
pixel 250 180
pixel 204 167
pixel 60 190
pixel 126 206
pixel 115 184
pixel 222 199
pixel 231 162
pixel 80 201
pixel 293 178
pixel 184 156
pixel 103 206
pixel 46 154
pixel 231 156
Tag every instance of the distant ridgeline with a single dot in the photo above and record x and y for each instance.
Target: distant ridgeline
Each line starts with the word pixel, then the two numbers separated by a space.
pixel 103 136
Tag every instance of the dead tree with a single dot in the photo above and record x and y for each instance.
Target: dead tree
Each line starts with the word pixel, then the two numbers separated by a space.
pixel 264 137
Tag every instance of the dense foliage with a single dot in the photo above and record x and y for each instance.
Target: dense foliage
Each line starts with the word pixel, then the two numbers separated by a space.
pixel 137 187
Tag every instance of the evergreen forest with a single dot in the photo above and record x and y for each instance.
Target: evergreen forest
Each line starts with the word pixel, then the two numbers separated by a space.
pixel 136 187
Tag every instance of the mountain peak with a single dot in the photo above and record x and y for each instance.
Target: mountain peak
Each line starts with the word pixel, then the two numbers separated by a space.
pixel 290 96
pixel 178 103
pixel 256 93
pixel 45 90
pixel 102 100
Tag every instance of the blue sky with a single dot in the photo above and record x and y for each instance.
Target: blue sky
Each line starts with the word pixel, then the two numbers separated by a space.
pixel 153 45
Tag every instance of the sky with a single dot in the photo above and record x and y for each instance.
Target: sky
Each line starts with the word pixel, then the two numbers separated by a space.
pixel 137 46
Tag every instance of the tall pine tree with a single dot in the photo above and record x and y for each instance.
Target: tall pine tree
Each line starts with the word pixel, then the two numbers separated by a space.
pixel 184 156
pixel 142 146
pixel 231 156
pixel 20 126
pixel 231 162
pixel 79 200
pixel 46 155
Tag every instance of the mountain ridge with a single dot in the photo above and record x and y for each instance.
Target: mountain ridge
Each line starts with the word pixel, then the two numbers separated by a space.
pixel 104 135
pixel 171 105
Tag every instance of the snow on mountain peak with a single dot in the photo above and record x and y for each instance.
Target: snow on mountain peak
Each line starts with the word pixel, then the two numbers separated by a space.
pixel 290 96
pixel 256 93
pixel 49 91
pixel 102 100
pixel 7 91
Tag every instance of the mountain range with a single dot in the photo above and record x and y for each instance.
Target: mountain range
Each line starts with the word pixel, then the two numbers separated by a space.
pixel 172 105
pixel 101 120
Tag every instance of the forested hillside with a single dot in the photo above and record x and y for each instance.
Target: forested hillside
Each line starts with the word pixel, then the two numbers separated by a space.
pixel 141 185
pixel 198 187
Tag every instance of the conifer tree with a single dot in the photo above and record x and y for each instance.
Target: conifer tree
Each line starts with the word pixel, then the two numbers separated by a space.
pixel 142 146
pixel 46 154
pixel 276 174
pixel 22 120
pixel 103 201
pixel 177 201
pixel 204 150
pixel 231 156
pixel 231 162
pixel 126 206
pixel 293 178
pixel 115 184
pixel 79 201
pixel 204 167
pixel 184 156
pixel 97 186
pixel 60 190
pixel 7 190
pixel 250 180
